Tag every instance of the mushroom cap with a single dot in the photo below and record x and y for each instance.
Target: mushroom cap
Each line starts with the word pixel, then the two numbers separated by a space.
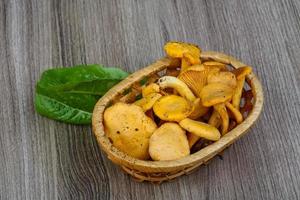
pixel 146 103
pixel 200 129
pixel 168 142
pixel 212 64
pixel 129 129
pixel 227 78
pixel 215 93
pixel 180 50
pixel 151 88
pixel 172 108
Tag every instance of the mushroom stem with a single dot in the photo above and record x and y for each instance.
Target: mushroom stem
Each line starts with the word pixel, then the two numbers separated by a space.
pixel 240 74
pixel 215 119
pixel 236 113
pixel 178 85
pixel 221 109
pixel 185 64
pixel 236 98
pixel 192 138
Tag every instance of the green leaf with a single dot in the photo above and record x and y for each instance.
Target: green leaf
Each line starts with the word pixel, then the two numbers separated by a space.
pixel 70 94
pixel 91 79
pixel 54 109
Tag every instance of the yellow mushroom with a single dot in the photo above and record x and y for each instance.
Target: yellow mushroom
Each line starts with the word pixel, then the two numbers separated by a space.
pixel 179 50
pixel 146 103
pixel 185 64
pixel 236 113
pixel 240 73
pixel 198 67
pixel 192 58
pixel 237 95
pixel 227 78
pixel 199 109
pixel 168 142
pixel 200 129
pixel 221 109
pixel 129 129
pixel 213 64
pixel 215 119
pixel 178 85
pixel 215 93
pixel 172 108
pixel 195 77
pixel 151 88
pixel 192 138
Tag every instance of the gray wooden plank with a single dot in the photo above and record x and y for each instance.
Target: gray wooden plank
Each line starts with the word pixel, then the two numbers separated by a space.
pixel 44 159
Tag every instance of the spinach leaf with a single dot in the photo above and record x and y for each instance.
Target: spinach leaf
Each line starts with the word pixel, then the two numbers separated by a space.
pixel 69 94
pixel 54 109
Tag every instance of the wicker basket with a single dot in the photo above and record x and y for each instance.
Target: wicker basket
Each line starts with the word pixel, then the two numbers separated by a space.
pixel 159 171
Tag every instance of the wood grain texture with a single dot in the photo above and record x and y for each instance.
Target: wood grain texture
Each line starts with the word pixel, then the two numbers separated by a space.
pixel 44 159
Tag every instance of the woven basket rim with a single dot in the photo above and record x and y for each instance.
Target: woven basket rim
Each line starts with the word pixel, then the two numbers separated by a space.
pixel 202 155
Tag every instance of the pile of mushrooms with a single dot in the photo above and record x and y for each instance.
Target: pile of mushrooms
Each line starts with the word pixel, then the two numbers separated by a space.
pixel 194 100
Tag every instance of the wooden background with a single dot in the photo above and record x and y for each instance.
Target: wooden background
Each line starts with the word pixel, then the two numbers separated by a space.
pixel 45 159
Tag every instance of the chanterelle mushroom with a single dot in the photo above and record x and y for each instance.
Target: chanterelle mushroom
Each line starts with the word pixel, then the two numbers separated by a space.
pixel 195 78
pixel 129 129
pixel 168 142
pixel 180 50
pixel 146 103
pixel 151 88
pixel 214 64
pixel 200 129
pixel 221 109
pixel 178 85
pixel 236 113
pixel 215 93
pixel 240 74
pixel 172 108
pixel 227 78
